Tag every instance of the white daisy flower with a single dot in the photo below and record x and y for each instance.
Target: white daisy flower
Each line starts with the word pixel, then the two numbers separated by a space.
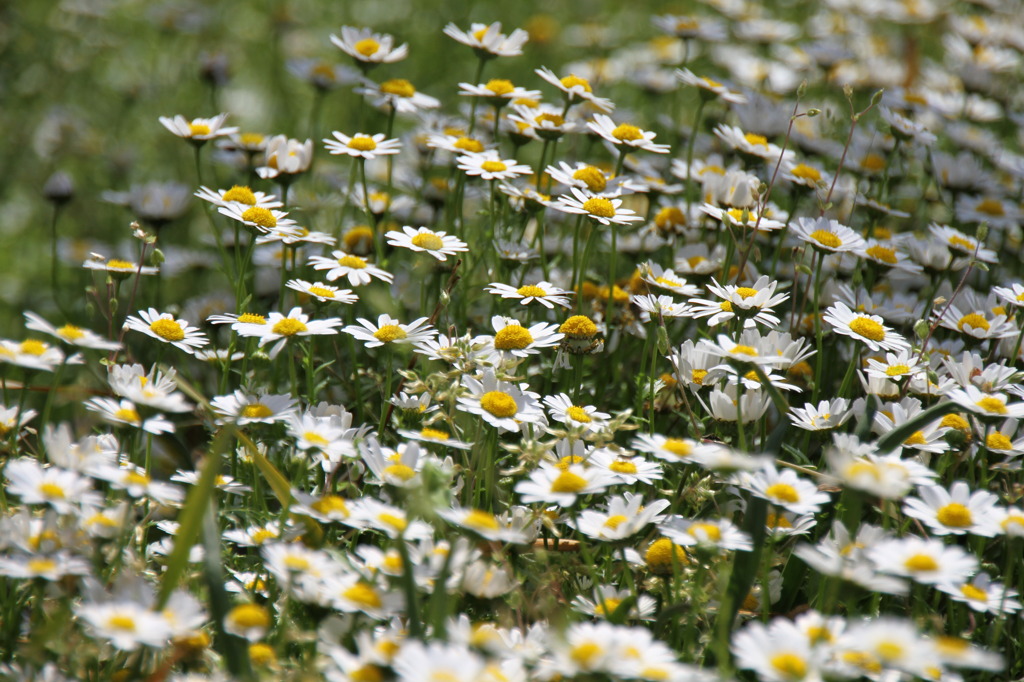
pixel 246 324
pixel 652 273
pixel 624 516
pixel 715 534
pixel 785 489
pixel 392 521
pixel 827 414
pixel 983 595
pixel 575 89
pixel 399 468
pixel 586 417
pixel 990 405
pixel 399 94
pixel 125 412
pixel 978 325
pixel 751 144
pixel 956 511
pixel 164 327
pixel 489 165
pixel 61 489
pixel 240 195
pixel 324 293
pixel 543 122
pixel 504 528
pixel 742 217
pixel 488 41
pixel 261 219
pixel 137 483
pixel 553 485
pixel 887 255
pixel 285 156
pixel 70 334
pixel 500 90
pixel 777 653
pixel 118 269
pixel 369 48
pixel 663 306
pixel 826 235
pixel 607 599
pixel 623 467
pixel 500 403
pixel 295 324
pixel 440 245
pixel 545 293
pixel 35 354
pixel 867 329
pixel 604 211
pixel 511 338
pixel 896 366
pixel 357 269
pixel 154 389
pixel 127 625
pixel 361 145
pixel 687 77
pixel 625 135
pixel 198 130
pixel 924 560
pixel 435 436
pixel 244 408
pixel 389 330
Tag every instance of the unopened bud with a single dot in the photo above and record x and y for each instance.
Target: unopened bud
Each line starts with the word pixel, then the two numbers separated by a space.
pixel 982 232
pixel 663 346
pixel 921 329
pixel 157 257
pixel 813 112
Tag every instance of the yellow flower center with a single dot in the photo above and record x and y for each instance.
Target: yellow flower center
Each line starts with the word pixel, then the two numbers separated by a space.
pixel 660 555
pixel 259 216
pixel 38 566
pixel 51 491
pixel 668 216
pixel 677 446
pixel 364 595
pixel 962 244
pixel 992 405
pixel 240 194
pixel 70 332
pixel 299 564
pixel 873 162
pixel 805 172
pixel 530 290
pixel 367 673
pixel 955 421
pixel 868 328
pixel 896 370
pixel 992 207
pixel 998 441
pixel 740 216
pixel 499 404
pixel 974 320
pixel 468 144
pixel 393 563
pixel 920 563
pixel 362 143
pixel 500 86
pixel 33 347
pixel 740 349
pixel 261 654
pixel 697 375
pixel 882 253
pixel 710 83
pixel 251 139
pixel 389 333
pixel 592 177
pixel 746 292
pixel 434 434
pixel 889 651
pixel 777 521
pixel 481 520
pixel 367 47
pixel 600 207
pixel 554 119
pixel 512 337
pixel 321 292
pixel 256 411
pixel 579 327
pixel 399 87
pixel 400 471
pixel 250 616
pixel 168 330
pixel 330 504
pixel 585 655
pixel 758 140
pixel 608 606
pixel 974 593
pixel 954 515
pixel 132 478
pixel 252 318
pixel 117 264
pixel 578 414
pixel 782 492
pixel 121 622
pixel 572 81
pixel 354 262
pixel 626 132
pixel 196 129
pixel 826 238
pixel 615 521
pixel 710 531
pixel 789 665
pixel 623 466
pixel 493 166
pixel 568 482
pixel 428 241
pixel 262 535
pixel 397 522
pixel 916 439
pixel 289 327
